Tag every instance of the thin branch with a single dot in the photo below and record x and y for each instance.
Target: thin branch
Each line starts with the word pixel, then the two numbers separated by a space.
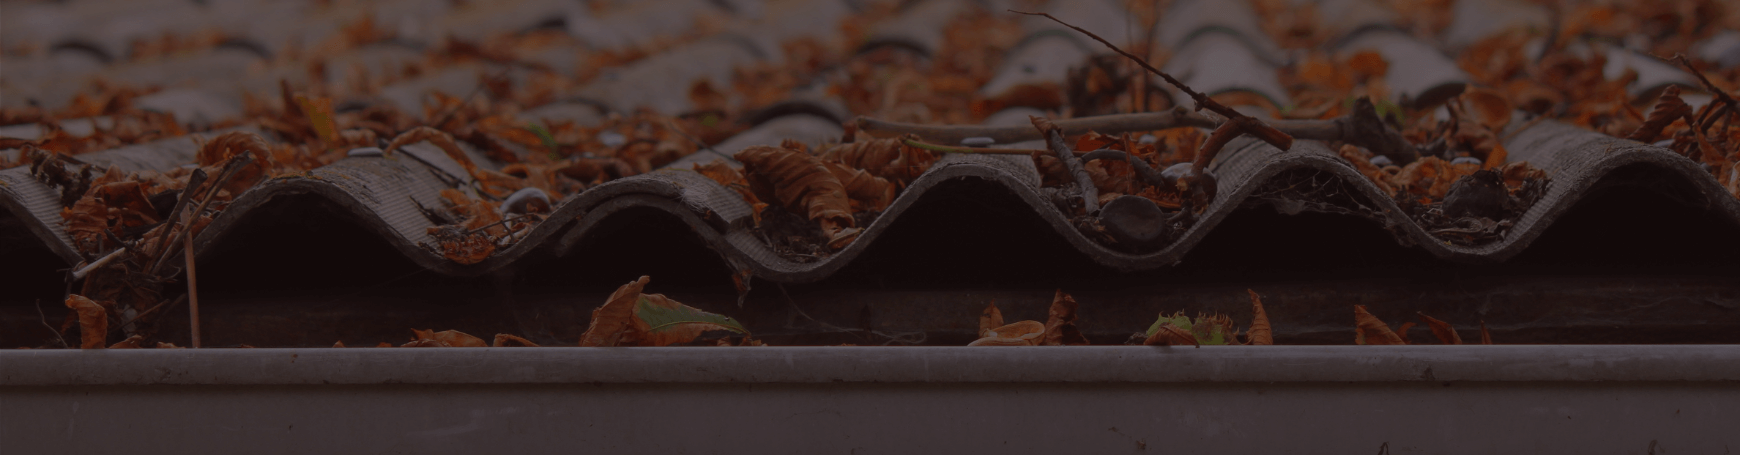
pixel 1255 127
pixel 44 319
pixel 979 150
pixel 1108 124
pixel 192 281
pixel 86 270
pixel 1090 194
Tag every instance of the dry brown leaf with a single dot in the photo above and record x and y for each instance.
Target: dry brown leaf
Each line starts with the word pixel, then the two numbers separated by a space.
pixel 131 342
pixel 868 192
pixel 162 345
pixel 729 177
pixel 503 340
pixel 1445 333
pixel 1370 330
pixel 1668 108
pixel 1060 328
pixel 1488 106
pixel 425 343
pixel 1368 64
pixel 631 318
pixel 85 222
pixel 213 153
pixel 1402 332
pixel 992 318
pixel 1259 334
pixel 1020 333
pixel 1171 335
pixel 495 183
pixel 1485 336
pixel 888 158
pixel 93 321
pixel 614 320
pixel 452 338
pixel 338 344
pixel 799 182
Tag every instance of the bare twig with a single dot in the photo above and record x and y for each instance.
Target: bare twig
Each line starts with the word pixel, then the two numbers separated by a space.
pixel 229 170
pixel 1108 124
pixel 980 150
pixel 1362 127
pixel 86 270
pixel 1717 92
pixel 192 282
pixel 1256 127
pixel 1090 194
pixel 44 319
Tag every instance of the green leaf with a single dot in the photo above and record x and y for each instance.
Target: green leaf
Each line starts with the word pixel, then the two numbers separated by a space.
pixel 668 316
pixel 1179 320
pixel 545 136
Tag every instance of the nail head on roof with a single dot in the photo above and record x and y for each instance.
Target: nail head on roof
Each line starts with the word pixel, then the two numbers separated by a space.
pixel 364 152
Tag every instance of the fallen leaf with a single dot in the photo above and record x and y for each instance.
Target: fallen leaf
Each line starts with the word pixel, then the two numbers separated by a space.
pixel 1485 336
pixel 319 114
pixel 338 344
pixel 614 320
pixel 503 340
pixel 868 192
pixel 1372 331
pixel 1060 328
pixel 1259 334
pixel 630 318
pixel 162 345
pixel 799 182
pixel 1489 107
pixel 1402 332
pixel 1445 333
pixel 664 322
pixel 990 319
pixel 888 158
pixel 452 338
pixel 93 321
pixel 1170 335
pixel 131 342
pixel 212 154
pixel 1020 333
pixel 424 343
pixel 1668 108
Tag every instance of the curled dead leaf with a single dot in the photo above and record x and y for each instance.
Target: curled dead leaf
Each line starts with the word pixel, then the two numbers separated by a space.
pixel 991 319
pixel 503 340
pixel 452 338
pixel 1020 333
pixel 1259 333
pixel 131 342
pixel 1370 330
pixel 1489 107
pixel 93 321
pixel 612 321
pixel 799 182
pixel 1668 108
pixel 888 158
pixel 1060 328
pixel 1445 333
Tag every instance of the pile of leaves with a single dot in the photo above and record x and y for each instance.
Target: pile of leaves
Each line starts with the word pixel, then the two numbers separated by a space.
pixel 809 205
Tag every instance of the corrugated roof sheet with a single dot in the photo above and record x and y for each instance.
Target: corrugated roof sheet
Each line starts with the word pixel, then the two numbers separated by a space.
pixel 1216 47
